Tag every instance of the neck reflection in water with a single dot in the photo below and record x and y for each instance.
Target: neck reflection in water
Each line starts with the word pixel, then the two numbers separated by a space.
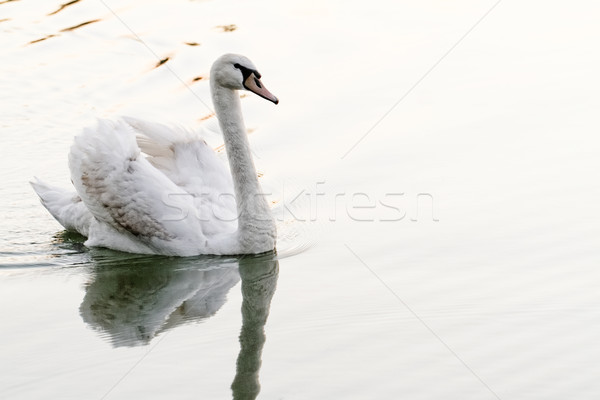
pixel 259 280
pixel 131 299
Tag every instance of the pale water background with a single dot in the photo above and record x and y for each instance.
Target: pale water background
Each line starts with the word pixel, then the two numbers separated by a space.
pixel 453 253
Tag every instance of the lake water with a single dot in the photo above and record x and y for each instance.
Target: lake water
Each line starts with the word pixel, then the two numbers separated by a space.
pixel 434 169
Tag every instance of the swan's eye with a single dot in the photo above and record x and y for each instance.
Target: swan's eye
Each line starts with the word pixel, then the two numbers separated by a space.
pixel 246 72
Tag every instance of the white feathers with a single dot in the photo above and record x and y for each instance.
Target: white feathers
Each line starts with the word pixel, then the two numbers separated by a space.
pixel 144 187
pixel 65 206
pixel 175 198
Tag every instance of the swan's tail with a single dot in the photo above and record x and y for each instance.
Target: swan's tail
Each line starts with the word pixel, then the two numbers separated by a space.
pixel 65 206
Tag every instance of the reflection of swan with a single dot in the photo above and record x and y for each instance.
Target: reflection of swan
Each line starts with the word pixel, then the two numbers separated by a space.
pixel 141 204
pixel 137 299
pixel 259 279
pixel 133 302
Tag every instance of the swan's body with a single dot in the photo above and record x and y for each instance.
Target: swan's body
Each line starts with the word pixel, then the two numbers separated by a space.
pixel 147 188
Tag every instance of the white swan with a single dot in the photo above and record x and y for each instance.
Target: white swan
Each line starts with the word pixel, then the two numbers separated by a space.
pixel 147 188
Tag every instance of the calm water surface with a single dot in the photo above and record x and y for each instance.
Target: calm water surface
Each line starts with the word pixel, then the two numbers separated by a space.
pixel 452 252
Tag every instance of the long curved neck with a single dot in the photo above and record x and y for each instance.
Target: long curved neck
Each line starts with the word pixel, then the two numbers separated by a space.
pixel 254 216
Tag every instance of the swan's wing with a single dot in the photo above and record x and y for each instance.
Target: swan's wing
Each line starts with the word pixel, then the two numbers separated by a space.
pixel 191 164
pixel 65 206
pixel 136 206
pixel 181 154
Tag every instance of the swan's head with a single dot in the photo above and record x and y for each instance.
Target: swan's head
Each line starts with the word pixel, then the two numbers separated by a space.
pixel 236 72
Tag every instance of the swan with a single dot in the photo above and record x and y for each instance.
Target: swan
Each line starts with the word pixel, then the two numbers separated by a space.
pixel 143 187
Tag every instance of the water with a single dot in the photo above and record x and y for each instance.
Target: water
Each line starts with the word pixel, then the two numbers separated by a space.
pixel 452 252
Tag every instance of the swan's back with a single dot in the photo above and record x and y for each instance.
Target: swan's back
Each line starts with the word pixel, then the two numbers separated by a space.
pixel 174 200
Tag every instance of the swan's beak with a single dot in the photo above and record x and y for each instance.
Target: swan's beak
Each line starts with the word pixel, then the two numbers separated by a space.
pixel 253 84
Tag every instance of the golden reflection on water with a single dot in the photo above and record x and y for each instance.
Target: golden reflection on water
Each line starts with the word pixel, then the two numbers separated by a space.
pixel 63 6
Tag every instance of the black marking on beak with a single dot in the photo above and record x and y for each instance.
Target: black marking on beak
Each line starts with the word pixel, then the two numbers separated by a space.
pixel 251 82
pixel 246 72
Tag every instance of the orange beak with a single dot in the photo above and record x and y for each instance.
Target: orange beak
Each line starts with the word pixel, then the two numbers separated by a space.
pixel 253 84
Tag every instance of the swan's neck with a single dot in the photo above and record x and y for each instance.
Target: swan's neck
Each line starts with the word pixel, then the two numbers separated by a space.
pixel 255 223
